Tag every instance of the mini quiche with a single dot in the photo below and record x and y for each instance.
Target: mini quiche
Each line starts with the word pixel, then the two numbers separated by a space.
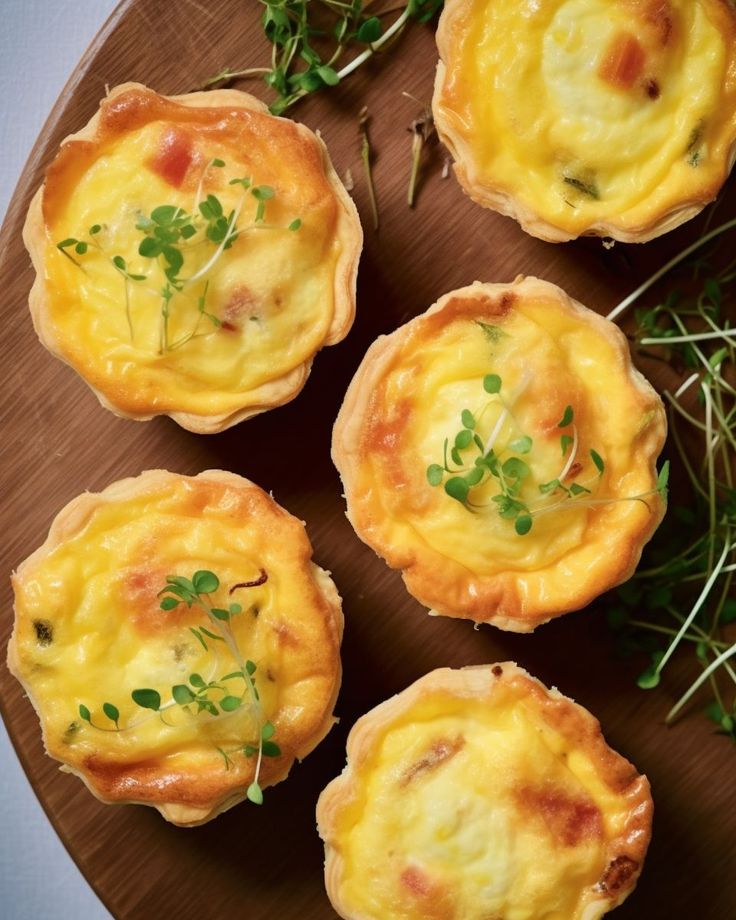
pixel 179 645
pixel 500 450
pixel 479 794
pixel 192 254
pixel 607 117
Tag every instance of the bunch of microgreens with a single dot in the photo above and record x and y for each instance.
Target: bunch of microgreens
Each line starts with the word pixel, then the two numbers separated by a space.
pixel 475 462
pixel 169 234
pixel 681 599
pixel 214 697
pixel 309 37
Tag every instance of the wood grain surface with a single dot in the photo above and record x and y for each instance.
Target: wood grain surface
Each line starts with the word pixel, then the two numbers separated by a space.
pixel 267 862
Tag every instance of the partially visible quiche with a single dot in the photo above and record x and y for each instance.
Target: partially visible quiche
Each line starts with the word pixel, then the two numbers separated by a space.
pixel 478 794
pixel 192 254
pixel 607 117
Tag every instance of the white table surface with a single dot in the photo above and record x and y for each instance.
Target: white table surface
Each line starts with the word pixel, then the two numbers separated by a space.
pixel 40 43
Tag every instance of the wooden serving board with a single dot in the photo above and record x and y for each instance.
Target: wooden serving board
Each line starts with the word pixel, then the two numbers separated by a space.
pixel 266 862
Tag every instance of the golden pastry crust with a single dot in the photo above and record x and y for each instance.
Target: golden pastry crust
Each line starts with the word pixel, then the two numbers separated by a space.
pixel 476 793
pixel 277 294
pixel 89 629
pixel 406 399
pixel 613 119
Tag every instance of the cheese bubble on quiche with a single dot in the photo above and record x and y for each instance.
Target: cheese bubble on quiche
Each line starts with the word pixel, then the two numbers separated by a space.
pixel 607 117
pixel 478 793
pixel 500 451
pixel 178 643
pixel 192 254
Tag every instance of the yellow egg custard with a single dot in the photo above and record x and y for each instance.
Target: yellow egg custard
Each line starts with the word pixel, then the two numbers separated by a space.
pixel 607 117
pixel 478 794
pixel 500 450
pixel 179 645
pixel 192 254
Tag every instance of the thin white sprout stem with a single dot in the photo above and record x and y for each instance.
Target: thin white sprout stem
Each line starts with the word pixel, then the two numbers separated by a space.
pixel 573 453
pixel 696 607
pixel 220 249
pixel 635 295
pixel 683 412
pixel 387 35
pixel 687 384
pixel 694 337
pixel 703 360
pixel 496 430
pixel 712 667
pixel 710 460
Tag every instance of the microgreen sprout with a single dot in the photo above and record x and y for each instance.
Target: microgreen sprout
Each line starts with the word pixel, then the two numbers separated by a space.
pixel 471 462
pixel 366 160
pixel 171 237
pixel 422 132
pixel 217 697
pixel 681 599
pixel 299 66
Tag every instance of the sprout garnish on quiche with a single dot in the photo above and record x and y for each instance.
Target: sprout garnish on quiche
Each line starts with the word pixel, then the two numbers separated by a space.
pixel 178 643
pixel 192 255
pixel 500 451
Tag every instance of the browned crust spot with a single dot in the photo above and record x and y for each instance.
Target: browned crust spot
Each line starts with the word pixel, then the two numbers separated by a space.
pixel 367 450
pixel 234 119
pixel 618 873
pixel 195 791
pixel 570 820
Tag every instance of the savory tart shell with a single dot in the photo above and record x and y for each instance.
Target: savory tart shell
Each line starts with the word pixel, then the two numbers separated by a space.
pixel 479 823
pixel 203 392
pixel 407 396
pixel 606 119
pixel 89 629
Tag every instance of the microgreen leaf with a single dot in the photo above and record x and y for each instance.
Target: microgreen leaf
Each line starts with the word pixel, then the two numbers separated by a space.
pixel 111 712
pixel 648 679
pixel 598 461
pixel 457 488
pixel 205 582
pixel 147 699
pixel 182 694
pixel 463 439
pixel 565 441
pixel 492 333
pixel 523 524
pixel 567 417
pixel 255 793
pixel 515 468
pixel 267 731
pixel 370 31
pixel 435 474
pixel 164 215
pixel 492 383
pixel 467 418
pixel 84 713
pixel 230 703
pixel 196 680
pixel 521 445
